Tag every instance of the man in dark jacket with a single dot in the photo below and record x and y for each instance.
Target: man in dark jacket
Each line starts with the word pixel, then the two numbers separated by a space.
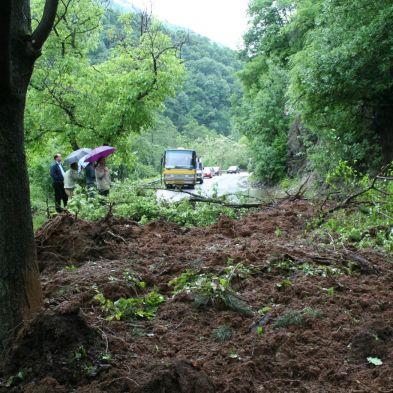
pixel 57 175
pixel 90 175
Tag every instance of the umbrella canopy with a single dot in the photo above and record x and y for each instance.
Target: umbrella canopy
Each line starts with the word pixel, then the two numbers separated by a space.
pixel 82 164
pixel 99 152
pixel 76 155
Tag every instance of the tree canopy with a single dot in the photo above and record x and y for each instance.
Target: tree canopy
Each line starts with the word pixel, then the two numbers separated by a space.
pixel 318 73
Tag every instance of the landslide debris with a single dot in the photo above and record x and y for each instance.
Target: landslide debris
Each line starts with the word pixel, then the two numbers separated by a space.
pixel 318 312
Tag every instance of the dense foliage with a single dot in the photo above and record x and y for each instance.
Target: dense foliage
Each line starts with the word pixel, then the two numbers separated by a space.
pixel 136 201
pixel 318 85
pixel 209 89
pixel 127 80
pixel 369 223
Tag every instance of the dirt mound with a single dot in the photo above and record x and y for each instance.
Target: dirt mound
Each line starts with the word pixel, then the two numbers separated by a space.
pixel 68 240
pixel 179 377
pixel 318 312
pixel 56 346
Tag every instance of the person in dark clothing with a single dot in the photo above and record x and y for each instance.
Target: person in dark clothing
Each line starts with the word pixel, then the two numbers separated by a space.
pixel 90 174
pixel 57 175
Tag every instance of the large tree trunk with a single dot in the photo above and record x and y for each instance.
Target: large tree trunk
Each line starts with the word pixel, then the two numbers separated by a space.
pixel 20 291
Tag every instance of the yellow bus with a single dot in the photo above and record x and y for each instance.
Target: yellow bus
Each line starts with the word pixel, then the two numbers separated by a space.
pixel 180 168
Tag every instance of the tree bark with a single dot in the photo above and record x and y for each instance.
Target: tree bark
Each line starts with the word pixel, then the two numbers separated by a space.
pixel 20 292
pixel 5 64
pixel 383 124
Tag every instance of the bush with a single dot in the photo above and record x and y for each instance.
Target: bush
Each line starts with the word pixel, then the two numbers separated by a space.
pixel 134 307
pixel 369 222
pixel 213 289
pixel 133 201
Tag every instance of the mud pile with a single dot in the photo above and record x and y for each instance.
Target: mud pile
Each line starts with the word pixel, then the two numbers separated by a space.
pixel 323 311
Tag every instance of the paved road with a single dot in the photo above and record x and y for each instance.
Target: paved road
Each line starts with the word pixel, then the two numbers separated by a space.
pixel 218 185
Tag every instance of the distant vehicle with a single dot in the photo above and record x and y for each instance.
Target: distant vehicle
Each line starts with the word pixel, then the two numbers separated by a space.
pixel 233 169
pixel 179 168
pixel 207 172
pixel 199 172
pixel 217 171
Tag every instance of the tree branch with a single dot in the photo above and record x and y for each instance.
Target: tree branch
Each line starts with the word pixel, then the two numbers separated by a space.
pixel 44 28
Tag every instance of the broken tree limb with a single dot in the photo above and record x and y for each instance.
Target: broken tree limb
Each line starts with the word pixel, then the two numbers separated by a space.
pixel 350 200
pixel 200 198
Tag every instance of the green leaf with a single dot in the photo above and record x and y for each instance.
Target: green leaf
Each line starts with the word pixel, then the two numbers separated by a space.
pixel 264 310
pixel 375 361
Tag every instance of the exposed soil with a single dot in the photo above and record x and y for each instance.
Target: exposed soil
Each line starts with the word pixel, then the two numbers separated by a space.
pixel 333 322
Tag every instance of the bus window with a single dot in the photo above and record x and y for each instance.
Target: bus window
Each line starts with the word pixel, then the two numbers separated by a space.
pixel 184 159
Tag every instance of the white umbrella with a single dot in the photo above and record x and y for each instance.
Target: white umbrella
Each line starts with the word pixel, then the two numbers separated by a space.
pixel 76 155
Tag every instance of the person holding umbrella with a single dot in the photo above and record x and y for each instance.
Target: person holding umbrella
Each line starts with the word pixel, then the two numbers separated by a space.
pixel 76 160
pixel 57 174
pixel 103 178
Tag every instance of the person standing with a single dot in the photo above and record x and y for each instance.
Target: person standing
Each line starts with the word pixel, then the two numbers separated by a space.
pixel 57 174
pixel 90 174
pixel 70 179
pixel 103 178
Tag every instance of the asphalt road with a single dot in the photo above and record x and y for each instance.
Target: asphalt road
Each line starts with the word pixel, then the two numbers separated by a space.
pixel 217 186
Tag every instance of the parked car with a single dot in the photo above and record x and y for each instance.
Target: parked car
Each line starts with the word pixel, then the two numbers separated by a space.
pixel 199 173
pixel 217 171
pixel 233 169
pixel 207 172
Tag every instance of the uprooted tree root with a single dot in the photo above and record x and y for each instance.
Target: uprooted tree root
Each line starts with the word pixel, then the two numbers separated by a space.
pixel 318 312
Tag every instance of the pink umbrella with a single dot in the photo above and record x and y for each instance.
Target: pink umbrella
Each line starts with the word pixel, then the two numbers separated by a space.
pixel 99 152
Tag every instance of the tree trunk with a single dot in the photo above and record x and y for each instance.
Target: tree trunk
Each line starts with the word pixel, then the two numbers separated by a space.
pixel 385 131
pixel 20 293
pixel 383 125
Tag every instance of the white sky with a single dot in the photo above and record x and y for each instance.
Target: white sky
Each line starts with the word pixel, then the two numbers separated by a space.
pixel 223 21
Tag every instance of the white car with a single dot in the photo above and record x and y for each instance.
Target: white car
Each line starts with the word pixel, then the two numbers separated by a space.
pixel 217 170
pixel 233 169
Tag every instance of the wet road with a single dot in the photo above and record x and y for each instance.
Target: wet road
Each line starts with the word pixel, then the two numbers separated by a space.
pixel 217 186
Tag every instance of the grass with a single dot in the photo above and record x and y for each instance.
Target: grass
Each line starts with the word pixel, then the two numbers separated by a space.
pixel 222 333
pixel 296 317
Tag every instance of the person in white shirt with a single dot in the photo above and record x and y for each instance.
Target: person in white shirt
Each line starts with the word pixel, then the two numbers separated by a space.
pixel 70 179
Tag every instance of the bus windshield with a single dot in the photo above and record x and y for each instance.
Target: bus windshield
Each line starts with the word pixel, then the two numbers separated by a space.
pixel 179 159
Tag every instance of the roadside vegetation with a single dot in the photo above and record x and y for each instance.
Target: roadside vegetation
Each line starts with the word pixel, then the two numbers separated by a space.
pixel 235 294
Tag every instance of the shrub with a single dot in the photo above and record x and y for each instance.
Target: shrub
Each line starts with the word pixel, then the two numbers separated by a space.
pixel 134 307
pixel 213 289
pixel 131 200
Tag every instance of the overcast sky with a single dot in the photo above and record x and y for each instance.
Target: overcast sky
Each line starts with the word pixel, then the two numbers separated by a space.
pixel 223 21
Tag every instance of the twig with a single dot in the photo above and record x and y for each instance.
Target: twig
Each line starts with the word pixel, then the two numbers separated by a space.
pixel 116 236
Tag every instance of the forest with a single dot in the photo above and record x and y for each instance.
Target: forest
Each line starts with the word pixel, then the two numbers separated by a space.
pixel 236 235
pixel 61 98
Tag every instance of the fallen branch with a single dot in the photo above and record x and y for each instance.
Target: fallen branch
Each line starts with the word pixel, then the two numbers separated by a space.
pixel 351 199
pixel 200 198
pixel 300 192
